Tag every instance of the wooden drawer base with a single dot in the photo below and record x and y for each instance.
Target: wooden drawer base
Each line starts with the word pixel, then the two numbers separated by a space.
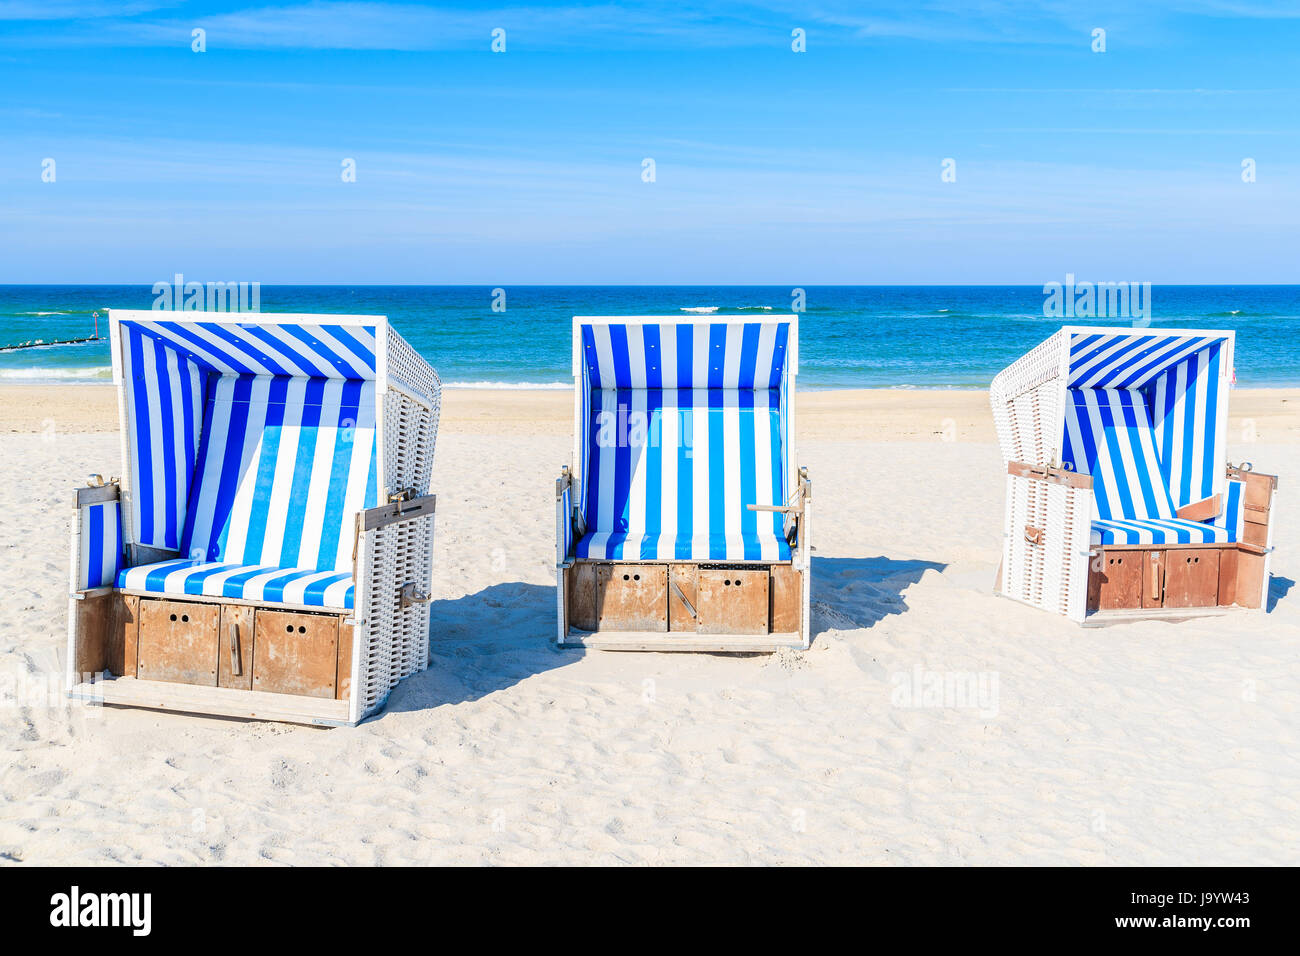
pixel 683 598
pixel 233 646
pixel 1192 578
pixel 1170 578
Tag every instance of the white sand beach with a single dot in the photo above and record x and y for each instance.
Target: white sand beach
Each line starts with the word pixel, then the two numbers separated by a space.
pixel 1145 743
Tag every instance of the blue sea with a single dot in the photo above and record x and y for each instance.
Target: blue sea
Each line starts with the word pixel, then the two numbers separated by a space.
pixel 850 336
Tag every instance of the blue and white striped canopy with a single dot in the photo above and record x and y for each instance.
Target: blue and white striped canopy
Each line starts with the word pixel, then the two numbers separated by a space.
pixel 251 444
pixel 682 425
pixel 640 353
pixel 1146 417
pixel 1131 359
pixel 243 344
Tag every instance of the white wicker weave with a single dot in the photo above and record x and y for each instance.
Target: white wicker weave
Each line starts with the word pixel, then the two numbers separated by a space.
pixel 391 641
pixel 1028 400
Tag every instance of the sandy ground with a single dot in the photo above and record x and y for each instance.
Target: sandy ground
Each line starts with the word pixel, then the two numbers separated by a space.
pixel 1146 743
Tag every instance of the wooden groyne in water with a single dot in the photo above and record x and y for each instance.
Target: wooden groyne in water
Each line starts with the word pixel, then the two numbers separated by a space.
pixel 41 345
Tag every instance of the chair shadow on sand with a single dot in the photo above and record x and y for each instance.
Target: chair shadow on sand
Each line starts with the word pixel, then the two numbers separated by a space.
pixel 852 593
pixel 485 642
pixel 497 637
pixel 1278 588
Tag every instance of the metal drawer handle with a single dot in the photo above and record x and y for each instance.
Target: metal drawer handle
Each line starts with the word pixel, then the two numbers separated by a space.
pixel 235 669
pixel 681 596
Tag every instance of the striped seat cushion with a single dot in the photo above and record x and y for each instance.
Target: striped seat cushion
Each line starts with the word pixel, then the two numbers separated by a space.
pixel 283 467
pixel 1224 528
pixel 1159 531
pixel 670 473
pixel 763 544
pixel 264 583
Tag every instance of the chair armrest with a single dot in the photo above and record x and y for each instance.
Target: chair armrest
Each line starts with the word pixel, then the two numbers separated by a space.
pixel 794 509
pixel 1204 510
pixel 795 503
pixel 569 525
pixel 95 493
pixel 397 511
pixel 1049 473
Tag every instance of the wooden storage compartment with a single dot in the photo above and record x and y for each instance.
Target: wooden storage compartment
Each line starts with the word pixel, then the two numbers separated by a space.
pixel 1248 577
pixel 1228 568
pixel 581 605
pixel 1153 577
pixel 632 597
pixel 124 636
pixel 787 598
pixel 1192 577
pixel 1116 583
pixel 235 657
pixel 295 653
pixel 178 642
pixel 733 601
pixel 343 682
pixel 683 598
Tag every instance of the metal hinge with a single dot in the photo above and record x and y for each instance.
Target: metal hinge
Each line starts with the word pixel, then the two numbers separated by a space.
pixel 408 595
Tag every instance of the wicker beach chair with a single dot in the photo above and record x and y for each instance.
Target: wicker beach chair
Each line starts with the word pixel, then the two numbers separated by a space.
pixel 682 523
pixel 1120 499
pixel 267 552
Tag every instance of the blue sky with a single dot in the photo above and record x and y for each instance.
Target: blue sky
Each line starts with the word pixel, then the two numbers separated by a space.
pixel 771 166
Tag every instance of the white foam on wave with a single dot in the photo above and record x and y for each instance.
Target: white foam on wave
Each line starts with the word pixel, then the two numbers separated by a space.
pixel 704 309
pixel 529 386
pixel 93 374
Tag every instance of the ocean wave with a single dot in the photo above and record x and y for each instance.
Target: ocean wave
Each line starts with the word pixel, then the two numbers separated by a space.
pixel 710 309
pixel 530 386
pixel 96 373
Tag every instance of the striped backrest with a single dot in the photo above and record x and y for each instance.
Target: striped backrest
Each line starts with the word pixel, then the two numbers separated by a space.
pixel 1189 403
pixel 283 467
pixel 164 399
pixel 1108 435
pixel 101 545
pixel 684 462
